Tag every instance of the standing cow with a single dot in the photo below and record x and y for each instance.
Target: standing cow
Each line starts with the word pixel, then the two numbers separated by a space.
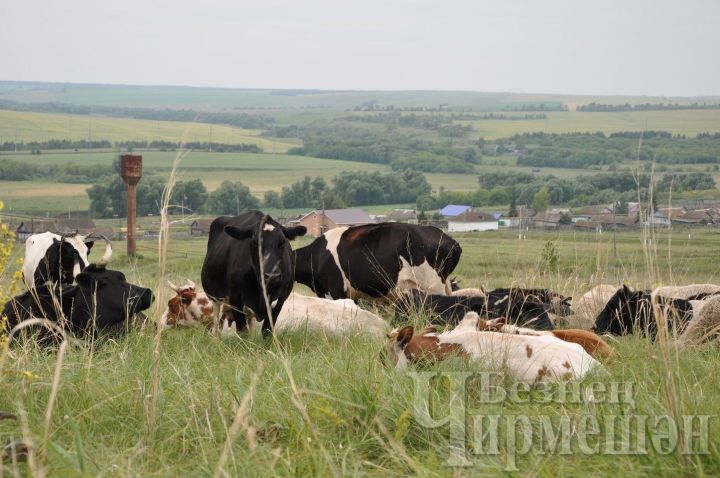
pixel 375 260
pixel 51 257
pixel 232 269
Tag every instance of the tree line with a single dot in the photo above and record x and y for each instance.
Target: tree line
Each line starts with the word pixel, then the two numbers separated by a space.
pixel 62 173
pixel 510 187
pixel 239 120
pixel 602 107
pixel 588 150
pixel 77 145
pixel 108 197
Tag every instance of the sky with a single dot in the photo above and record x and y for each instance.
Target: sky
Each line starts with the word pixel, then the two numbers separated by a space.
pixel 604 47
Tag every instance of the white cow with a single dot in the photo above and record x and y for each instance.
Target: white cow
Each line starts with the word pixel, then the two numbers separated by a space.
pixel 687 291
pixel 527 358
pixel 588 306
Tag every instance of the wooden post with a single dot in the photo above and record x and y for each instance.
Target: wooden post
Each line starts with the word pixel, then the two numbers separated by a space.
pixel 131 172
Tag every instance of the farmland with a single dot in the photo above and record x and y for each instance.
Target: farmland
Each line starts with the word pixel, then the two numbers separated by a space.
pixel 331 406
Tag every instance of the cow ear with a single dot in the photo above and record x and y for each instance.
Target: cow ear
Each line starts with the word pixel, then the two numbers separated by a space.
pixel 89 245
pixel 237 233
pixel 626 290
pixel 57 241
pixel 404 336
pixel 293 232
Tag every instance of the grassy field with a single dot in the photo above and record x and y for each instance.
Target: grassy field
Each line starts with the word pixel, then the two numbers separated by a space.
pixel 306 405
pixel 24 126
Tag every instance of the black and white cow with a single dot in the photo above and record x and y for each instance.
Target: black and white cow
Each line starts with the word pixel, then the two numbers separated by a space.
pixel 51 257
pixel 231 272
pixel 375 260
pixel 558 303
pixel 452 309
pixel 629 310
pixel 102 300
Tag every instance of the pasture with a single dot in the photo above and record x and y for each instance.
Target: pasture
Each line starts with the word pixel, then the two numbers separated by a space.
pixel 307 405
pixel 25 127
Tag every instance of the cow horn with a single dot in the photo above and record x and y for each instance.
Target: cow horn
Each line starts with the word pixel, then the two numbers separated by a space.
pixel 173 286
pixel 108 252
pixel 190 283
pixel 82 237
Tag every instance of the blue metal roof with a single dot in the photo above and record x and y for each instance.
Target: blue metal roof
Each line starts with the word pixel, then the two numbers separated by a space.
pixel 452 210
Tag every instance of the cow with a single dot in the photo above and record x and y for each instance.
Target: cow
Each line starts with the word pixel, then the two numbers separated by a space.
pixel 51 257
pixel 374 261
pixel 591 342
pixel 559 304
pixel 705 324
pixel 101 301
pixel 589 305
pixel 527 358
pixel 628 310
pixel 333 318
pixel 233 273
pixel 452 309
pixel 188 307
pixel 688 292
pixel 470 292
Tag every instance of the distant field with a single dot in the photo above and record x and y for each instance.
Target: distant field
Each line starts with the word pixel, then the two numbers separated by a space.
pixel 25 126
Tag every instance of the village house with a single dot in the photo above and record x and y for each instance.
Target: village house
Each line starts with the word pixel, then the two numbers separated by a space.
pixel 200 227
pixel 453 210
pixel 472 221
pixel 403 215
pixel 29 227
pixel 319 221
pixel 547 220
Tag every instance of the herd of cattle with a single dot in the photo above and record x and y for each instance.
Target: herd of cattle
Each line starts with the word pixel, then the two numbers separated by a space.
pixel 250 270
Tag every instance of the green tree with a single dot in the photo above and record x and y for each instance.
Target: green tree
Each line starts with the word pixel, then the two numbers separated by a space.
pixel 498 195
pixel 513 212
pixel 190 194
pixel 231 198
pixel 541 200
pixel 272 199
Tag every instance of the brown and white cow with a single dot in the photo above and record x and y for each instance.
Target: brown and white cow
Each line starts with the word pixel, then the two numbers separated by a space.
pixel 590 341
pixel 188 307
pixel 527 358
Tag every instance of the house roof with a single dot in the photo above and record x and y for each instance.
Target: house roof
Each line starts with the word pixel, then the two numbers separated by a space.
pixel 473 216
pixel 402 214
pixel 35 226
pixel 343 216
pixel 202 224
pixel 587 224
pixel 591 210
pixel 546 216
pixel 694 216
pixel 617 219
pixel 671 212
pixel 452 210
pixel 81 225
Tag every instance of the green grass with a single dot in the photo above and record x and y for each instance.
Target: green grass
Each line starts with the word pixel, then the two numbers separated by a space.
pixel 331 407
pixel 24 126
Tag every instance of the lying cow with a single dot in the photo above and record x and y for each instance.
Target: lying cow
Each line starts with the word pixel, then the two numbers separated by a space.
pixel 102 301
pixel 51 257
pixel 589 305
pixel 688 292
pixel 333 318
pixel 629 310
pixel 188 307
pixel 559 304
pixel 376 260
pixel 591 342
pixel 452 309
pixel 234 274
pixel 527 358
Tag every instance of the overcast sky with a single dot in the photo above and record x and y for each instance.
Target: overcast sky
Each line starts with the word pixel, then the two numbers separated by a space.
pixel 653 47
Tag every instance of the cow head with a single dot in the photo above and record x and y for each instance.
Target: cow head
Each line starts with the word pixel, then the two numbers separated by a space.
pixel 188 307
pixel 622 312
pixel 405 346
pixel 277 256
pixel 106 296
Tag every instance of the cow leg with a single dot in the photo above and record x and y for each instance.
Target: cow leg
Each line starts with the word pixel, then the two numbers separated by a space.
pixel 237 313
